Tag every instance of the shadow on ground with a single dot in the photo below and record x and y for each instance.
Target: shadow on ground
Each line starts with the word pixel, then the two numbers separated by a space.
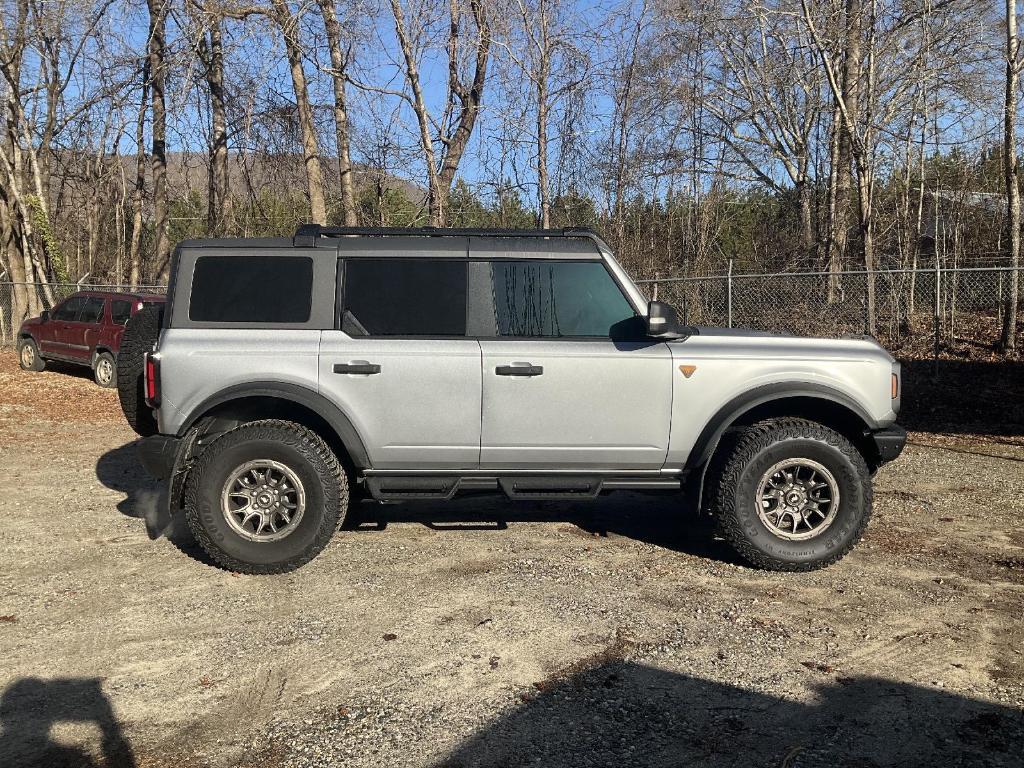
pixel 655 519
pixel 963 396
pixel 659 520
pixel 146 499
pixel 29 710
pixel 627 714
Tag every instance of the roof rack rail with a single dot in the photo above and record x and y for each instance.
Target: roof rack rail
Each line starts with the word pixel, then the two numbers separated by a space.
pixel 307 235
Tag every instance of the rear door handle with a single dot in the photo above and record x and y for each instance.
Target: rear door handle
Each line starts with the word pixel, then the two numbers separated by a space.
pixel 357 366
pixel 520 369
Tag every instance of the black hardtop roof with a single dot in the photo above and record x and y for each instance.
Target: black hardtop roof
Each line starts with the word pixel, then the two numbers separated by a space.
pixel 309 236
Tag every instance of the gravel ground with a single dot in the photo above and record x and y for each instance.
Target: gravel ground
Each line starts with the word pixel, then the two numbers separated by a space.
pixel 481 633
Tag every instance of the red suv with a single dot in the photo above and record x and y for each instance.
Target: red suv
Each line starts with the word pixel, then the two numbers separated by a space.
pixel 85 328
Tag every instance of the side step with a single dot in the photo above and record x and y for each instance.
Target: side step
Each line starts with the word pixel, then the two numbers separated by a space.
pixel 523 487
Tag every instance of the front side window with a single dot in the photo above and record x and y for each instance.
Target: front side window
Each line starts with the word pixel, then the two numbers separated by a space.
pixel 68 311
pixel 404 297
pixel 120 311
pixel 92 312
pixel 251 289
pixel 552 299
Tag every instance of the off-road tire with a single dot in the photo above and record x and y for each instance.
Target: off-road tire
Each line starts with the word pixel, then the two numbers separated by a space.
pixel 303 452
pixel 140 336
pixel 750 452
pixel 38 363
pixel 101 358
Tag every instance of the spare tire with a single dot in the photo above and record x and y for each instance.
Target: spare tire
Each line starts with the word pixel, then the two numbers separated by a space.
pixel 140 336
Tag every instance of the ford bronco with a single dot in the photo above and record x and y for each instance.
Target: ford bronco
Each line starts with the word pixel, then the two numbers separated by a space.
pixel 285 375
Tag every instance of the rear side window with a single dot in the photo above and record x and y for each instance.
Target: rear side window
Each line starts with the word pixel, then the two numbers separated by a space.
pixel 404 297
pixel 120 311
pixel 551 299
pixel 251 289
pixel 69 309
pixel 92 312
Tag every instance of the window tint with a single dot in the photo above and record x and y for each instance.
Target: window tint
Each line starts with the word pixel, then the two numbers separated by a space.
pixel 404 297
pixel 559 298
pixel 92 312
pixel 120 311
pixel 69 309
pixel 251 289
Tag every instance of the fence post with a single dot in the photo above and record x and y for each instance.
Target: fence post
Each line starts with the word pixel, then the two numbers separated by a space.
pixel 654 293
pixel 936 319
pixel 728 298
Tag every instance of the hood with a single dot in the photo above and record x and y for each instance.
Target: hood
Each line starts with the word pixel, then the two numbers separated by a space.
pixel 32 321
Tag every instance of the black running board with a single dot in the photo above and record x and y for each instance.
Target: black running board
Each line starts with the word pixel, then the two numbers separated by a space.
pixel 398 487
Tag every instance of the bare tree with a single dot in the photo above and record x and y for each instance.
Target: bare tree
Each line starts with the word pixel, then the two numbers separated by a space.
pixel 290 31
pixel 211 54
pixel 1011 171
pixel 554 67
pixel 157 49
pixel 339 80
pixel 462 102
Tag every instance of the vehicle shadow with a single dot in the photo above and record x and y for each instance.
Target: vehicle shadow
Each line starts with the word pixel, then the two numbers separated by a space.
pixel 659 520
pixel 146 499
pixel 31 707
pixel 622 713
pixel 69 369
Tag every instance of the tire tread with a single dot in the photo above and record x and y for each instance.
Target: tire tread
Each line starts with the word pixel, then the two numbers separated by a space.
pixel 749 443
pixel 313 447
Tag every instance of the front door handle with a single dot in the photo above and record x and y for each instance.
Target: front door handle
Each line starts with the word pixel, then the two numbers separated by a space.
pixel 520 369
pixel 357 366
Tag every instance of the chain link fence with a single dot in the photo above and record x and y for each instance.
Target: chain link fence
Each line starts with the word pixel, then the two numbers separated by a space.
pixel 925 309
pixel 9 304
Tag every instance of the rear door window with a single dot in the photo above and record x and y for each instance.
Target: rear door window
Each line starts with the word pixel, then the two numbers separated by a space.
pixel 404 297
pixel 252 289
pixel 69 310
pixel 92 311
pixel 120 311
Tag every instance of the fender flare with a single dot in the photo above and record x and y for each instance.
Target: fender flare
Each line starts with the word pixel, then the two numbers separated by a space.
pixel 727 415
pixel 337 419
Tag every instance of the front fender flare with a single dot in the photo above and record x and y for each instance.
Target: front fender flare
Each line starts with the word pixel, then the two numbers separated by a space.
pixel 735 408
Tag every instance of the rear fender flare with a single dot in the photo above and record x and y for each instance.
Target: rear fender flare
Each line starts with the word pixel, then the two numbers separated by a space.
pixel 337 419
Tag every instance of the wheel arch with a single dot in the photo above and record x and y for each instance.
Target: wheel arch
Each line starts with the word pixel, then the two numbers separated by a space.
pixel 253 401
pixel 815 402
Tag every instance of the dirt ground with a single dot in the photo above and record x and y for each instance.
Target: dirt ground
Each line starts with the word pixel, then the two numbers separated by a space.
pixel 480 633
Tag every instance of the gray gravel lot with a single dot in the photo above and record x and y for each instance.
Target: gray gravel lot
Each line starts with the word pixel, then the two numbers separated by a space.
pixel 481 633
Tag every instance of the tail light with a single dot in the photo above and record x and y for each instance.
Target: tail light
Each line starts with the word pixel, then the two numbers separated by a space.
pixel 151 380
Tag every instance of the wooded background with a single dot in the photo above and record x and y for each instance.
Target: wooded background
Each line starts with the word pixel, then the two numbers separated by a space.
pixel 781 135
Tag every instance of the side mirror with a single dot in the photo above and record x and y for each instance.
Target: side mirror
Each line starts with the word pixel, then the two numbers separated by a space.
pixel 44 315
pixel 662 321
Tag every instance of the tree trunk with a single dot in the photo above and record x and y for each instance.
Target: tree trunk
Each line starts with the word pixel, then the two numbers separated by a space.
pixel 218 212
pixel 310 146
pixel 338 77
pixel 1011 171
pixel 138 192
pixel 835 220
pixel 157 78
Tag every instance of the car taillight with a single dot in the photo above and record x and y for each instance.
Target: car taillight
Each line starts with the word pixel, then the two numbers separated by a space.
pixel 152 380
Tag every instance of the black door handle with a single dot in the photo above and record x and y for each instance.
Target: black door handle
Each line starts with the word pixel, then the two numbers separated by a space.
pixel 356 368
pixel 519 370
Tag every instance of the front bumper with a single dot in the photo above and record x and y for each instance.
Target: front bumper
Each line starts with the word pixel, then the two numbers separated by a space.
pixel 889 442
pixel 158 454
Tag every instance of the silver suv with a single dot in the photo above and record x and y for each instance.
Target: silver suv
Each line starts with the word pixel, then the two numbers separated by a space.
pixel 288 375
